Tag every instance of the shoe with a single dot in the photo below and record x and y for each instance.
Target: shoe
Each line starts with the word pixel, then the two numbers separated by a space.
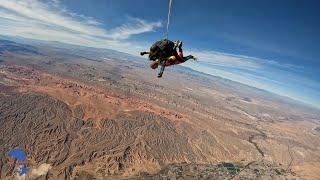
pixel 143 53
pixel 191 57
pixel 178 44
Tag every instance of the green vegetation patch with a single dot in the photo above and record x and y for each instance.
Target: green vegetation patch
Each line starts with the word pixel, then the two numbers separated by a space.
pixel 230 167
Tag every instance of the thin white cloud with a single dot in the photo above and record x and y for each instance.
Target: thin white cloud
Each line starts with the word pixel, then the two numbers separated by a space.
pixel 140 26
pixel 224 59
pixel 272 75
pixel 239 61
pixel 49 20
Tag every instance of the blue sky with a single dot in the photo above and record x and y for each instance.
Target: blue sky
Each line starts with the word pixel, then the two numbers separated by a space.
pixel 269 44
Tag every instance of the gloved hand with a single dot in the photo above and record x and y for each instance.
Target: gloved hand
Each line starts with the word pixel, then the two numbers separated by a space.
pixel 142 53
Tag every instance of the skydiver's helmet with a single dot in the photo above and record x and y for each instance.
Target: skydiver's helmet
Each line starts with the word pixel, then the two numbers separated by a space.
pixel 161 49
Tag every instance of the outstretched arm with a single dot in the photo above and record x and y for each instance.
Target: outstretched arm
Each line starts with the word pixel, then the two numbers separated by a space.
pixel 143 53
pixel 163 65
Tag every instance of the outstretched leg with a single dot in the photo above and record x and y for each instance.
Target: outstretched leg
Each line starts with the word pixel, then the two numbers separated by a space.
pixel 188 57
pixel 143 53
pixel 181 57
pixel 180 49
pixel 163 65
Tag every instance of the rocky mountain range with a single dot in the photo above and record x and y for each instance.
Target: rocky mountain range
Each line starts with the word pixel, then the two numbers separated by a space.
pixel 85 113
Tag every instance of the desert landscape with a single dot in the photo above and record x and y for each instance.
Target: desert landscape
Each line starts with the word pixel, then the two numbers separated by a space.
pixel 86 113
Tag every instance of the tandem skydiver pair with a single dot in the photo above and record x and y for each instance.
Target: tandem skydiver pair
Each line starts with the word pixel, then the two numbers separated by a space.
pixel 164 53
